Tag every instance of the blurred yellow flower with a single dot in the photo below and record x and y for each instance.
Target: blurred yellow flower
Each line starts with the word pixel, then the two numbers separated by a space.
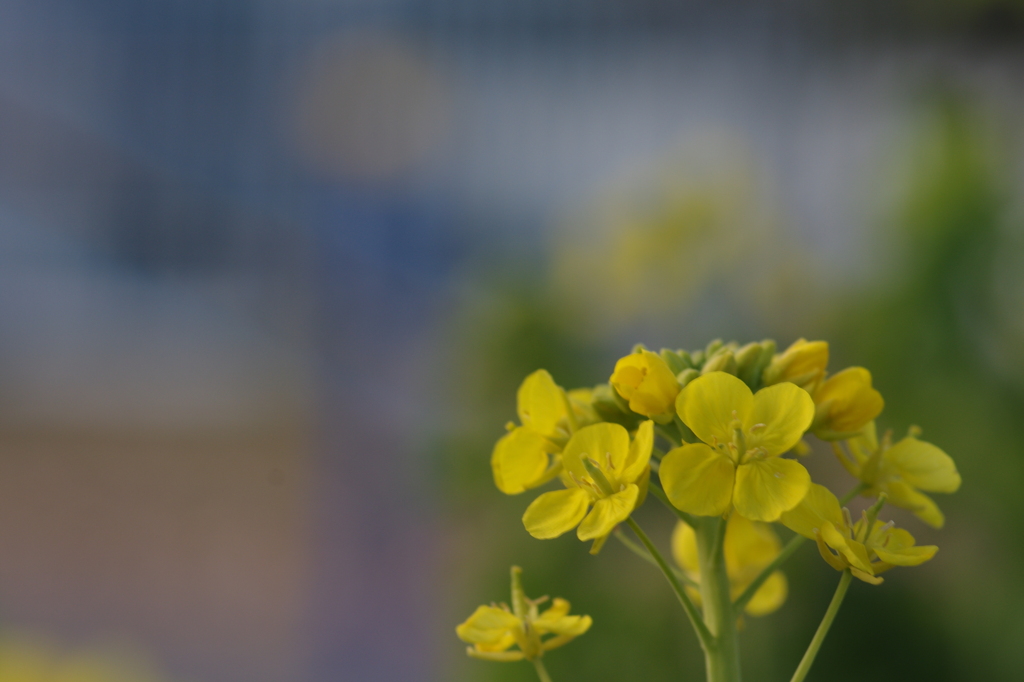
pixel 528 456
pixel 847 545
pixel 803 364
pixel 901 471
pixel 493 630
pixel 738 463
pixel 845 403
pixel 749 547
pixel 605 474
pixel 645 380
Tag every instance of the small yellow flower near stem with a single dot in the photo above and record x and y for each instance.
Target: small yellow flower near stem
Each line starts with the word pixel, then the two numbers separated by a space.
pixel 606 478
pixel 494 630
pixel 645 380
pixel 901 471
pixel 803 364
pixel 738 464
pixel 528 456
pixel 868 547
pixel 845 403
pixel 749 547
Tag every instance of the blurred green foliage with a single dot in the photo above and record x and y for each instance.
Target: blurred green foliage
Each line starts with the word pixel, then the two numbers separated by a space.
pixel 941 346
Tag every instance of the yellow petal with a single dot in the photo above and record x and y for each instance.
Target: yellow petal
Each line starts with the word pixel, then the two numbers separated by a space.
pixel 500 645
pixel 540 404
pixel 710 403
pixel 556 512
pixel 697 479
pixel 582 400
pixel 863 445
pixel 639 454
pixel 846 402
pixel 604 443
pixel 520 460
pixel 786 412
pixel 803 363
pixel 767 488
pixel 607 513
pixel 487 625
pixel 898 548
pixel 770 596
pixel 645 380
pixel 923 465
pixel 749 547
pixel 855 553
pixel 818 507
pixel 684 549
pixel 475 651
pixel 924 507
pixel 556 620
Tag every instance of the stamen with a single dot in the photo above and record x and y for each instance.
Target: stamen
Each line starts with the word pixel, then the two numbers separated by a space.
pixel 757 427
pixel 608 456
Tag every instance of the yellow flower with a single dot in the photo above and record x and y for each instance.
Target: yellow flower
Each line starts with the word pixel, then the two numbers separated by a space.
pixel 645 380
pixel 847 545
pixel 493 630
pixel 604 473
pixel 803 364
pixel 901 471
pixel 527 456
pixel 845 403
pixel 749 547
pixel 738 464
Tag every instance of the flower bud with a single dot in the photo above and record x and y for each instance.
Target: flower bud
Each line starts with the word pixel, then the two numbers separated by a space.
pixel 803 364
pixel 845 404
pixel 722 361
pixel 646 381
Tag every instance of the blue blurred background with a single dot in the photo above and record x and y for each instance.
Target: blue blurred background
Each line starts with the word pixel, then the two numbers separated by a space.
pixel 271 272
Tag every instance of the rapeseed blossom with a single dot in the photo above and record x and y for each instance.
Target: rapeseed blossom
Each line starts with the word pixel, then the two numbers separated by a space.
pixel 644 379
pixel 868 547
pixel 493 630
pixel 528 455
pixel 738 464
pixel 901 471
pixel 845 403
pixel 749 547
pixel 605 474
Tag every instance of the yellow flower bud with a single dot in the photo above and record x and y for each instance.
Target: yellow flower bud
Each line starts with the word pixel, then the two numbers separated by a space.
pixel 645 380
pixel 803 364
pixel 845 404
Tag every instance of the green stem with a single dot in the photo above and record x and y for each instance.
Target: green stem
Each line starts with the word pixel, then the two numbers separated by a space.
pixel 703 634
pixel 826 623
pixel 672 438
pixel 787 551
pixel 643 554
pixel 861 487
pixel 542 672
pixel 722 659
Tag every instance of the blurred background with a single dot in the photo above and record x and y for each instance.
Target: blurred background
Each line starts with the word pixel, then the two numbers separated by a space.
pixel 271 273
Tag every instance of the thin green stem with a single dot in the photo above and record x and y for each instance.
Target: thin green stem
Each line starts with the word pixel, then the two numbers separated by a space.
pixel 826 623
pixel 787 551
pixel 542 672
pixel 672 438
pixel 723 659
pixel 703 634
pixel 643 554
pixel 753 587
pixel 861 487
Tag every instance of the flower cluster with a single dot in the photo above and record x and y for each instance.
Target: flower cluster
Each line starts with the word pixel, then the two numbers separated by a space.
pixel 715 434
